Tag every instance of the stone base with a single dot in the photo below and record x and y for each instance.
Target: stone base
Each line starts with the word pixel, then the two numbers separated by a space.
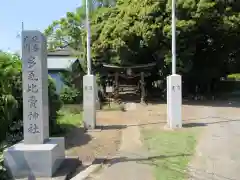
pixel 38 160
pixel 174 101
pixel 89 101
pixel 66 171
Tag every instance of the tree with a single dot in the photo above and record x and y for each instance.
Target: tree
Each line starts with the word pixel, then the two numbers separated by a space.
pixel 9 73
pixel 136 32
pixel 68 31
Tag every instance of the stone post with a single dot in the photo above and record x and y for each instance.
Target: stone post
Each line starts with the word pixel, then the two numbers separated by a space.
pixel 35 93
pixel 38 155
pixel 174 101
pixel 89 101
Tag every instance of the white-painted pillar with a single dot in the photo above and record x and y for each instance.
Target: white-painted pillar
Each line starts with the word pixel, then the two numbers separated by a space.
pixel 174 83
pixel 174 101
pixel 89 101
pixel 90 96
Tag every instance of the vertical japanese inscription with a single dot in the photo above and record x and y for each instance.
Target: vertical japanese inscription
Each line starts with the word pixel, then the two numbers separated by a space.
pixel 88 91
pixel 31 46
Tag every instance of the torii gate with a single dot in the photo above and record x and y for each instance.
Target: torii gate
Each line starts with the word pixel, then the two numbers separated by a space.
pixel 130 72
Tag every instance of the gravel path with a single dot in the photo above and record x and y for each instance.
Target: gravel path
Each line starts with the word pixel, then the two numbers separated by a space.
pixel 217 154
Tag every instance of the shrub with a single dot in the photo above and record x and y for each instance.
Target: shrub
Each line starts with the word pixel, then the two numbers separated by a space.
pixel 9 83
pixel 71 95
pixel 231 84
pixel 234 76
pixel 55 105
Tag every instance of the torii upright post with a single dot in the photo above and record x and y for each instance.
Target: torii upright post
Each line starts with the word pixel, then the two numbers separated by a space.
pixel 174 83
pixel 142 88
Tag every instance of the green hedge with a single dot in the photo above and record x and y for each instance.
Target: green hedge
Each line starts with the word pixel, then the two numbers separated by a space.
pixel 234 76
pixel 231 84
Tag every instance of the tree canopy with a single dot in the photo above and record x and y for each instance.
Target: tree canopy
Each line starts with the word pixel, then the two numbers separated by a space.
pixel 68 31
pixel 139 31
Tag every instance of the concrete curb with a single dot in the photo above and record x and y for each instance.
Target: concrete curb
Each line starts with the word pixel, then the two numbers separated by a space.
pixel 87 172
pixel 93 167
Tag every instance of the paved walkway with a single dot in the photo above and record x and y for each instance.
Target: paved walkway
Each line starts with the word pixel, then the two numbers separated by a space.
pixel 218 152
pixel 127 165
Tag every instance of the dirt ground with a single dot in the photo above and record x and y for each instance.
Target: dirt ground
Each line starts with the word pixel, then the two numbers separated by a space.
pixel 105 143
pixel 101 143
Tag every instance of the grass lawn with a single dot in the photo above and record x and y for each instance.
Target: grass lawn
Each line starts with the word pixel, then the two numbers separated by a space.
pixel 68 120
pixel 76 108
pixel 175 149
pixel 70 116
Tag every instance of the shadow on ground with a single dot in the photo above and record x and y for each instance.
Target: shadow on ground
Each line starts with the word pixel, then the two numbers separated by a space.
pixel 191 125
pixel 119 127
pixel 67 168
pixel 111 127
pixel 223 120
pixel 72 141
pixel 116 160
pixel 187 123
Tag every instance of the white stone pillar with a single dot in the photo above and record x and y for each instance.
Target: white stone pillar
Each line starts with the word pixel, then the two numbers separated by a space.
pixel 35 93
pixel 89 101
pixel 38 155
pixel 174 101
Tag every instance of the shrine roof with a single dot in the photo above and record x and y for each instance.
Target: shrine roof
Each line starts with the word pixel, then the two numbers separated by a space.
pixel 59 63
pixel 61 59
pixel 139 66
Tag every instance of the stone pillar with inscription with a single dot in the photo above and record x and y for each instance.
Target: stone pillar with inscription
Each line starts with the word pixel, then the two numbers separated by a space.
pixel 174 101
pixel 89 101
pixel 37 155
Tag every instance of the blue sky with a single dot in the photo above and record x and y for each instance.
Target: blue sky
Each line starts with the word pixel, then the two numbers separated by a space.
pixel 36 14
